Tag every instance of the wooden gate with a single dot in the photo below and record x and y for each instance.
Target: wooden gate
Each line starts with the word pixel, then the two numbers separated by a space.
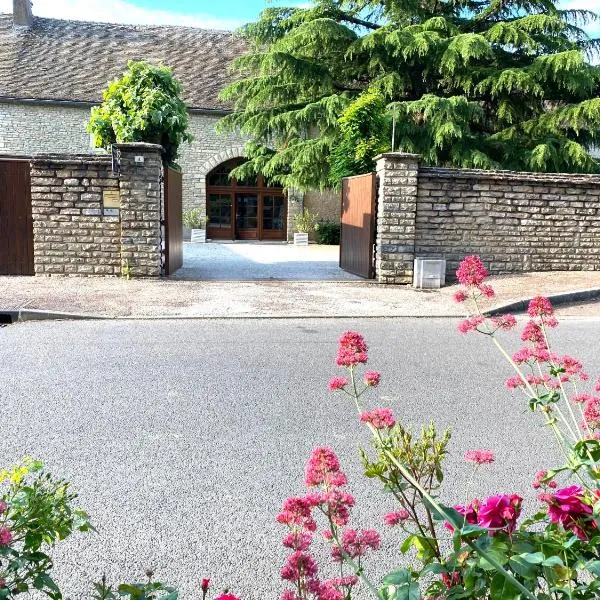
pixel 16 225
pixel 173 222
pixel 357 236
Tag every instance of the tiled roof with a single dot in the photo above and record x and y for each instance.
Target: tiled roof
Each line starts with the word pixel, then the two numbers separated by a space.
pixel 74 60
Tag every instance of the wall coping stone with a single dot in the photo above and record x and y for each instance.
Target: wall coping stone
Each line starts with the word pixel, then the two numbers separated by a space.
pixel 397 155
pixel 66 159
pixel 509 175
pixel 139 146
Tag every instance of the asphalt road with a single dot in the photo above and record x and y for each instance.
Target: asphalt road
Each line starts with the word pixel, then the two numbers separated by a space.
pixel 183 437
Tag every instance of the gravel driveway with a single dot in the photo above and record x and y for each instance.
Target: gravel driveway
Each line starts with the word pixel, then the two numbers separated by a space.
pixel 183 437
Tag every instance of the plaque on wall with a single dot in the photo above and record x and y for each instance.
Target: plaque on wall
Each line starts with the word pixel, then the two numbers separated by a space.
pixel 111 199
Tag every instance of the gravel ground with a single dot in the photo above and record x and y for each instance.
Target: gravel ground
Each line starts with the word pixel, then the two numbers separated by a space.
pixel 171 298
pixel 183 437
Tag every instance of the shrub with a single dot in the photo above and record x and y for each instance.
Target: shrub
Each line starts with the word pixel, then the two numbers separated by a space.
pixel 483 548
pixel 329 233
pixel 143 106
pixel 306 222
pixel 194 219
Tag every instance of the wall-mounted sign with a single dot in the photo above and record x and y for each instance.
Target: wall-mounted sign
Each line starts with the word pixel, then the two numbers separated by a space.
pixel 111 199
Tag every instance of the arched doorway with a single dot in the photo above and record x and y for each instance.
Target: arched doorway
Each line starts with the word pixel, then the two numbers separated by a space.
pixel 251 209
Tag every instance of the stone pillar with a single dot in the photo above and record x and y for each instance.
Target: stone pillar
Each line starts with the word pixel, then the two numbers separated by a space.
pixel 140 190
pixel 295 200
pixel 396 214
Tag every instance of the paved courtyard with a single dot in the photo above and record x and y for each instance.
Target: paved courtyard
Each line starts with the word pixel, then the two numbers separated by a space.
pixel 184 437
pixel 241 260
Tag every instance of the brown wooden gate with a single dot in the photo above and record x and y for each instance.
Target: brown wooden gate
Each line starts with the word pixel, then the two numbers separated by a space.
pixel 16 225
pixel 173 222
pixel 357 236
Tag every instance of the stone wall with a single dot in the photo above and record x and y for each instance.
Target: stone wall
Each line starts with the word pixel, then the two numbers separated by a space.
pixel 77 230
pixel 517 222
pixel 326 203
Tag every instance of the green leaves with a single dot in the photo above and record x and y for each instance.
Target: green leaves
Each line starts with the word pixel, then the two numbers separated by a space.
pixel 488 84
pixel 143 106
pixel 400 585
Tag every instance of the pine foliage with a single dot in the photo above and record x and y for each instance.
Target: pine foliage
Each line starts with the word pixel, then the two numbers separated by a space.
pixel 485 84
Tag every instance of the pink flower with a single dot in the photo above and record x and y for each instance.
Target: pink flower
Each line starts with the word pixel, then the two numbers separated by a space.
pixel 566 507
pixel 356 544
pixel 470 324
pixel 540 307
pixel 296 512
pixel 205 584
pixel 486 290
pixel 299 565
pixel 3 507
pixel 532 332
pixel 581 398
pixel 5 536
pixel 506 322
pixel 538 482
pixel 500 512
pixel 323 467
pixel 297 540
pixel 352 349
pixel 481 457
pixel 326 591
pixel 460 296
pixel 348 581
pixel 227 596
pixel 513 383
pixel 337 383
pixel 394 518
pixel 471 271
pixel 372 378
pixel 337 505
pixel 591 412
pixel 597 386
pixel 380 418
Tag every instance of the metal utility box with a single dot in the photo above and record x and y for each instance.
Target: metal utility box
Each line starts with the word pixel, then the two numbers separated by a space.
pixel 429 273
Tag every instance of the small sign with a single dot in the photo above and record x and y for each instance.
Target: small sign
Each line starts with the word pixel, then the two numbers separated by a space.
pixel 111 199
pixel 111 212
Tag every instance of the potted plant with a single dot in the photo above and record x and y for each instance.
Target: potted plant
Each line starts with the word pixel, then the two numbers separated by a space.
pixel 194 219
pixel 305 223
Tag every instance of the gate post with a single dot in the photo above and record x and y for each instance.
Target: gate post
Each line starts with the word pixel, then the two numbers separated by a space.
pixel 396 215
pixel 140 185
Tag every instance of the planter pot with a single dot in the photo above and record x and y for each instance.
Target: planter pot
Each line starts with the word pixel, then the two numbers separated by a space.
pixel 301 239
pixel 198 236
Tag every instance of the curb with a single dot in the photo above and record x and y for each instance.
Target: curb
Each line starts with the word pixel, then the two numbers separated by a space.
pixel 556 299
pixel 19 315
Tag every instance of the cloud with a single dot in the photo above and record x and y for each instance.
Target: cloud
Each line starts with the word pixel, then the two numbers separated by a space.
pixel 120 11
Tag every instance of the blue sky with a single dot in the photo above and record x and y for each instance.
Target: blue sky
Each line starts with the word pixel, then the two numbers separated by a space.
pixel 213 14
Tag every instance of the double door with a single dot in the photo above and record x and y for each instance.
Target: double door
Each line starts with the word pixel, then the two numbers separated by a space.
pixel 246 216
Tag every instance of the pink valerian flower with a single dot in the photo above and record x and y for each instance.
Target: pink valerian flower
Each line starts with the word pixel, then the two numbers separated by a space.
pixel 591 413
pixel 296 512
pixel 380 418
pixel 337 505
pixel 581 398
pixel 486 290
pixel 540 307
pixel 540 481
pixel 515 382
pixel 297 540
pixel 500 512
pixel 322 466
pixel 205 585
pixel 471 271
pixel 337 383
pixel 227 596
pixel 347 582
pixel 3 507
pixel 394 518
pixel 480 457
pixel 372 378
pixel 352 349
pixel 460 296
pixel 567 508
pixel 299 565
pixel 533 333
pixel 572 367
pixel 6 536
pixel 597 386
pixel 355 544
pixel 470 324
pixel 505 322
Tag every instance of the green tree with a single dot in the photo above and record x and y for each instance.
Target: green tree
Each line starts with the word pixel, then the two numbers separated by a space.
pixel 470 83
pixel 143 106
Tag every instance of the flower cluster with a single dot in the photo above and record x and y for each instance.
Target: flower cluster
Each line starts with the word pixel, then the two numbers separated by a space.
pixel 480 457
pixel 352 350
pixel 325 480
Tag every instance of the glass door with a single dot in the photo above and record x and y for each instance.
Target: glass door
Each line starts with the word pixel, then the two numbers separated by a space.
pixel 246 216
pixel 274 225
pixel 218 209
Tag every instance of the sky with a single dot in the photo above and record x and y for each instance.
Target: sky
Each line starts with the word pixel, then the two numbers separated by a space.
pixel 210 14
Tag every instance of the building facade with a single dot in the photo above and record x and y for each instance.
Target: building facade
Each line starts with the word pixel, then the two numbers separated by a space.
pixel 53 71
